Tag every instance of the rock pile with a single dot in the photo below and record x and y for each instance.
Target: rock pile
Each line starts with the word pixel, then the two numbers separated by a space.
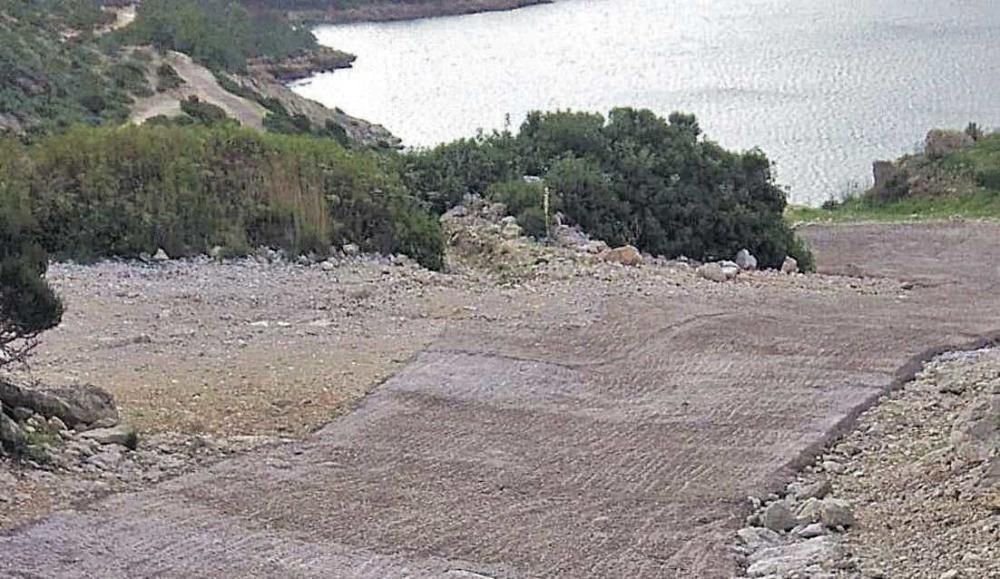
pixel 792 536
pixel 922 470
pixel 28 414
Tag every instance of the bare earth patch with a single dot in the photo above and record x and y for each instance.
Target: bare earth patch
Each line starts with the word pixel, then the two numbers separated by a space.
pixel 569 418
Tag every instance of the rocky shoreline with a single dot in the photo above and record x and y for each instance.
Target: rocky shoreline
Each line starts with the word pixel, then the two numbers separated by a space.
pixel 392 12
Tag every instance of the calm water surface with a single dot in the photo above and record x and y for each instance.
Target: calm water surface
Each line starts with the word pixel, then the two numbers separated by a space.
pixel 823 86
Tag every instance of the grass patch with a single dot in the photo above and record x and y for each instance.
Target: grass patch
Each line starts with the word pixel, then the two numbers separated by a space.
pixel 980 205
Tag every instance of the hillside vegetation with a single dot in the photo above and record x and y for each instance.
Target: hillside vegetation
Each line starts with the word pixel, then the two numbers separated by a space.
pixel 52 72
pixel 633 178
pixel 94 192
pixel 960 180
pixel 218 33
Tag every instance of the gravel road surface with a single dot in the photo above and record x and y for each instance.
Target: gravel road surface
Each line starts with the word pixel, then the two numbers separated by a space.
pixel 612 431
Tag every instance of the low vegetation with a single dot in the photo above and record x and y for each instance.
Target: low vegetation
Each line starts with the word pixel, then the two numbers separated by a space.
pixel 95 192
pixel 53 74
pixel 217 33
pixel 960 182
pixel 633 178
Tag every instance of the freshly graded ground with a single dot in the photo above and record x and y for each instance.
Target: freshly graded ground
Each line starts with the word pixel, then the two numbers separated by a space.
pixel 597 423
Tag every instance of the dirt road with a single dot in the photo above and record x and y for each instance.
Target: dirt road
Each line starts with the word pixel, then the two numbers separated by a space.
pixel 612 432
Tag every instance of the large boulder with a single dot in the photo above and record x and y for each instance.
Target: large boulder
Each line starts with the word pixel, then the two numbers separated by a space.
pixel 121 434
pixel 712 272
pixel 746 260
pixel 11 435
pixel 941 143
pixel 75 405
pixel 777 516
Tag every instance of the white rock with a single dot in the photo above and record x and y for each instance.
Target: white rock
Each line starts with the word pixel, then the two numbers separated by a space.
pixel 712 272
pixel 790 265
pixel 746 260
pixel 793 558
pixel 161 255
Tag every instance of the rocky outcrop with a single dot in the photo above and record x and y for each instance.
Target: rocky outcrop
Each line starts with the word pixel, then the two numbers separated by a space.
pixel 75 405
pixel 357 129
pixel 941 143
pixel 301 66
pixel 888 178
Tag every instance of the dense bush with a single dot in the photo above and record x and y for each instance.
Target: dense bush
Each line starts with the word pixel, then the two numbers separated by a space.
pixel 167 78
pixel 98 192
pixel 28 306
pixel 633 178
pixel 218 33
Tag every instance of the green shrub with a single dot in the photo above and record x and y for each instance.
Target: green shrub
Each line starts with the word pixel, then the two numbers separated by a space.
pixel 525 201
pixel 28 306
pixel 633 178
pixel 217 33
pixel 204 112
pixel 121 192
pixel 167 78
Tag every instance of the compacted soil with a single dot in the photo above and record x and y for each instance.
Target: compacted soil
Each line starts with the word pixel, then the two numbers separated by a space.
pixel 585 421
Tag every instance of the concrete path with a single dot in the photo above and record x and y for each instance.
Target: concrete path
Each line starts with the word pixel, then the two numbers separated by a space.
pixel 619 442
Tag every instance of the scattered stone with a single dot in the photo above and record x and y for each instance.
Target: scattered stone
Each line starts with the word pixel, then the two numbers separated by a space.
pixel 757 538
pixel 350 249
pixel 729 269
pixel 790 265
pixel 123 435
pixel 950 574
pixel 625 255
pixel 778 517
pixel 746 260
pixel 108 459
pixel 812 530
pixel 831 512
pixel 833 466
pixel 161 256
pixel 712 272
pixel 815 490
